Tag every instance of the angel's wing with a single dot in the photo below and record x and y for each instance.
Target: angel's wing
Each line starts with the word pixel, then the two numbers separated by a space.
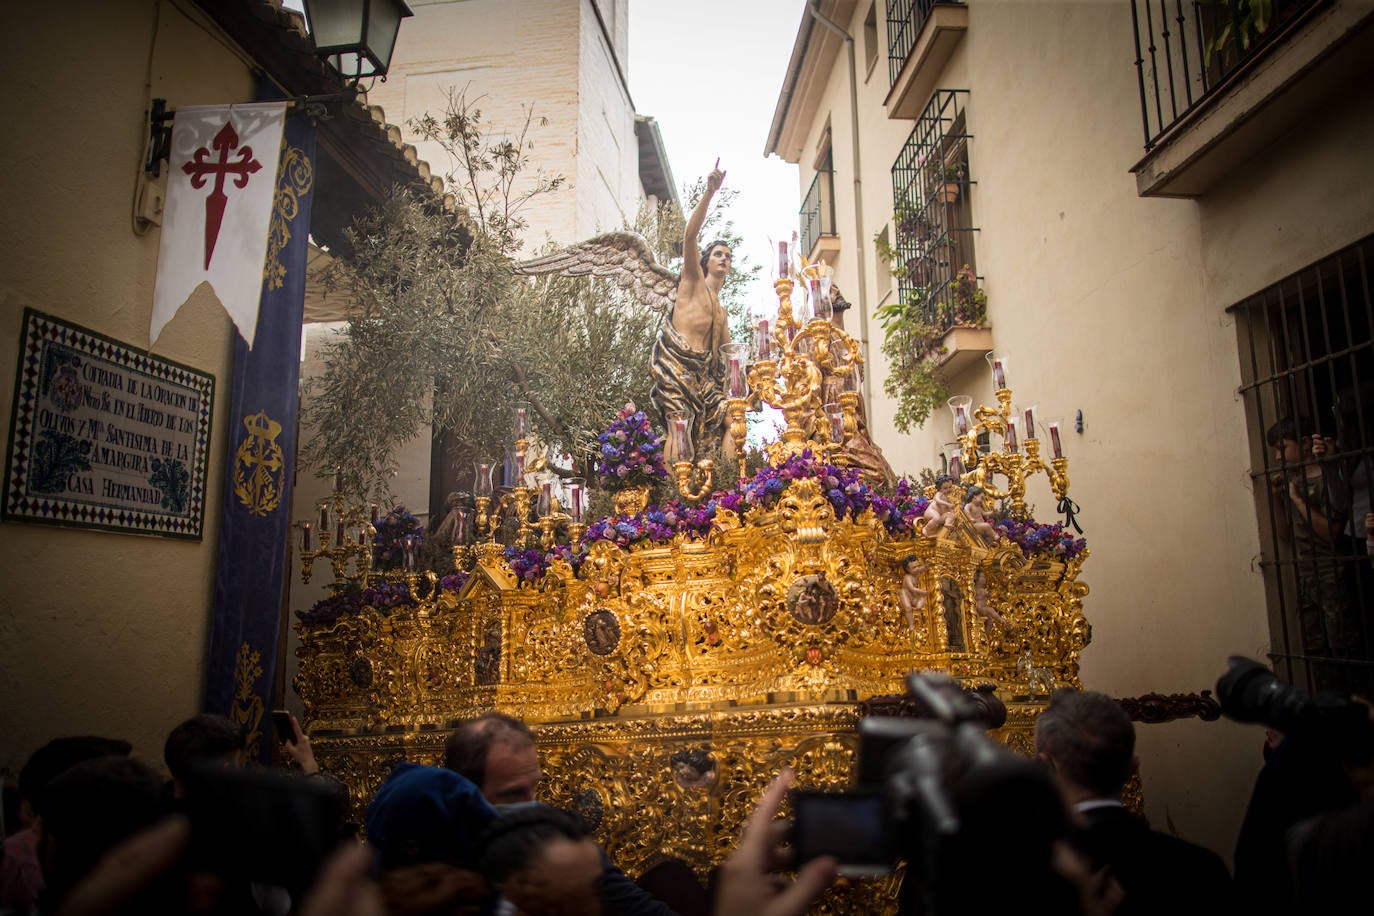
pixel 621 257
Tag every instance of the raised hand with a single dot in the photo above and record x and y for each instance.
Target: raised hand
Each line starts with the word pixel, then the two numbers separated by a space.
pixel 747 885
pixel 715 179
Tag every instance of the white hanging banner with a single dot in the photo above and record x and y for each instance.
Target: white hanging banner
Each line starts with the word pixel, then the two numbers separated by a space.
pixel 222 178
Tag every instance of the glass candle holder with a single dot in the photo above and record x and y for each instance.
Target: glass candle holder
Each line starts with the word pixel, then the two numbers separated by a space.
pixel 481 479
pixel 1010 438
pixel 954 458
pixel 801 304
pixel 959 409
pixel 835 413
pixel 521 416
pixel 577 487
pixel 1053 427
pixel 734 357
pixel 545 505
pixel 999 371
pixel 763 338
pixel 679 445
pixel 1028 417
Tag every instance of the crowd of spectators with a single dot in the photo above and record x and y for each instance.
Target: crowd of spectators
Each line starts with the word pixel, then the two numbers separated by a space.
pixel 101 831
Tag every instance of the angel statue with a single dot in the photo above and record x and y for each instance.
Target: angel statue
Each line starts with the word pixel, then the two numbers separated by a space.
pixel 688 373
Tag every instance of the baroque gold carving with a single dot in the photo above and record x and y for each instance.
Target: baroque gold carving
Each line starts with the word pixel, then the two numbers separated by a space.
pixel 709 647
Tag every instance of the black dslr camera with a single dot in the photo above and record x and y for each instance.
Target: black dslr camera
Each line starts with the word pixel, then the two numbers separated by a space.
pixel 1326 720
pixel 973 821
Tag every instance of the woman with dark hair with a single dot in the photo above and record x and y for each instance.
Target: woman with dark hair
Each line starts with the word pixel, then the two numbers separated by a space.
pixel 686 366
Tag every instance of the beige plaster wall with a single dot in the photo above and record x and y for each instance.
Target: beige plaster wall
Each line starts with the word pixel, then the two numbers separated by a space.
pixel 101 632
pixel 1114 305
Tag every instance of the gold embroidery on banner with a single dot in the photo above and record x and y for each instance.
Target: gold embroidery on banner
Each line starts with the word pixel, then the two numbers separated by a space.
pixel 259 467
pixel 247 707
pixel 295 176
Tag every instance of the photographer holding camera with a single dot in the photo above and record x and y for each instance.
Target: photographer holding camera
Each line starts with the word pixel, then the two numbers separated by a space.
pixel 1306 841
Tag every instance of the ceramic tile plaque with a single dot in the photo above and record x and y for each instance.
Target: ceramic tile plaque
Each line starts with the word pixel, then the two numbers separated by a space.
pixel 103 435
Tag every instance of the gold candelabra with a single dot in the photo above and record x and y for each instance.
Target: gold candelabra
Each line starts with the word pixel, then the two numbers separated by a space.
pixel 813 355
pixel 734 413
pixel 1017 461
pixel 703 471
pixel 340 549
pixel 550 521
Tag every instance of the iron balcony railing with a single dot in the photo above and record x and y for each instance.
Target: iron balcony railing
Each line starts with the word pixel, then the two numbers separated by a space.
pixel 1185 50
pixel 933 236
pixel 817 213
pixel 904 21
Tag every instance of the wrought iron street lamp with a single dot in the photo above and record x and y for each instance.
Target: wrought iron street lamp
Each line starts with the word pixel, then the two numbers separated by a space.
pixel 356 37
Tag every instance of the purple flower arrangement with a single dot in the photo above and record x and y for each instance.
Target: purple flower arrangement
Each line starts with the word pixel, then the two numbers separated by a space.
pixel 384 597
pixel 1036 540
pixel 454 582
pixel 899 514
pixel 629 453
pixel 528 565
pixel 398 536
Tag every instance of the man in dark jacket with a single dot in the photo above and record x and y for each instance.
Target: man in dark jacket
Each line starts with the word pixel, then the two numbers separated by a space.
pixel 1089 741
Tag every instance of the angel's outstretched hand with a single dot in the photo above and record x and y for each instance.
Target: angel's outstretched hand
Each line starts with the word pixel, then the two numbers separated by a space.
pixel 715 179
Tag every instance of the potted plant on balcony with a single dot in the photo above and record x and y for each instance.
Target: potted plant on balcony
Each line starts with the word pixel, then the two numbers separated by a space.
pixel 945 179
pixel 916 329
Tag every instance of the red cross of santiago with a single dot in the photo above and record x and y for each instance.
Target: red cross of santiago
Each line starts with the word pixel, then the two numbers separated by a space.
pixel 198 168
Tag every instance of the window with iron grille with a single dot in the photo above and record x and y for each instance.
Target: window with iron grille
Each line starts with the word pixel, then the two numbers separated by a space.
pixel 932 219
pixel 1307 368
pixel 817 215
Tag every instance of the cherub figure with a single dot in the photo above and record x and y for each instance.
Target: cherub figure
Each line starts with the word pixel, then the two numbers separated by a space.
pixel 980 601
pixel 940 513
pixel 975 509
pixel 913 597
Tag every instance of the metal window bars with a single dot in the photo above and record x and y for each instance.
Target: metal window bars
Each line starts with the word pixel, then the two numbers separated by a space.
pixel 933 231
pixel 1307 367
pixel 1186 49
pixel 817 214
pixel 904 21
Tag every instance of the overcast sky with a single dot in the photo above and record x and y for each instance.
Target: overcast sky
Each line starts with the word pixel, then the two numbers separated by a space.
pixel 709 72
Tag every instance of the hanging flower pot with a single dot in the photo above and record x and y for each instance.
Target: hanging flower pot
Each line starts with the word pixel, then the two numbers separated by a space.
pixel 950 191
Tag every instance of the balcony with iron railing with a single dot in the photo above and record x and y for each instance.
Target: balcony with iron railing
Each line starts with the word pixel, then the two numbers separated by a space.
pixel 817 214
pixel 1220 79
pixel 933 250
pixel 921 37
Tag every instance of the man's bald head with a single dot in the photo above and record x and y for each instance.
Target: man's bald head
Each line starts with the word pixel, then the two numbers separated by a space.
pixel 496 753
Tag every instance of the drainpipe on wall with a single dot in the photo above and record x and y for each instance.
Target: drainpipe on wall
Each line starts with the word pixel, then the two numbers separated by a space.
pixel 814 9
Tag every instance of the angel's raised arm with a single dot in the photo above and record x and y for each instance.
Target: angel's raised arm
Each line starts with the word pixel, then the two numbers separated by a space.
pixel 691 250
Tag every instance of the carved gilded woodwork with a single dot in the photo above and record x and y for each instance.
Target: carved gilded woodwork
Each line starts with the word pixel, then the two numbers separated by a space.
pixel 747 651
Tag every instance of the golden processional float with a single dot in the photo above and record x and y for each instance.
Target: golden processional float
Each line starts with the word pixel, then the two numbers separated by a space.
pixel 673 659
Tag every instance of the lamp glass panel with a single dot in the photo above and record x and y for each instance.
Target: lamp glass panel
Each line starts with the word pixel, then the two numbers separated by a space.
pixel 336 23
pixel 384 22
